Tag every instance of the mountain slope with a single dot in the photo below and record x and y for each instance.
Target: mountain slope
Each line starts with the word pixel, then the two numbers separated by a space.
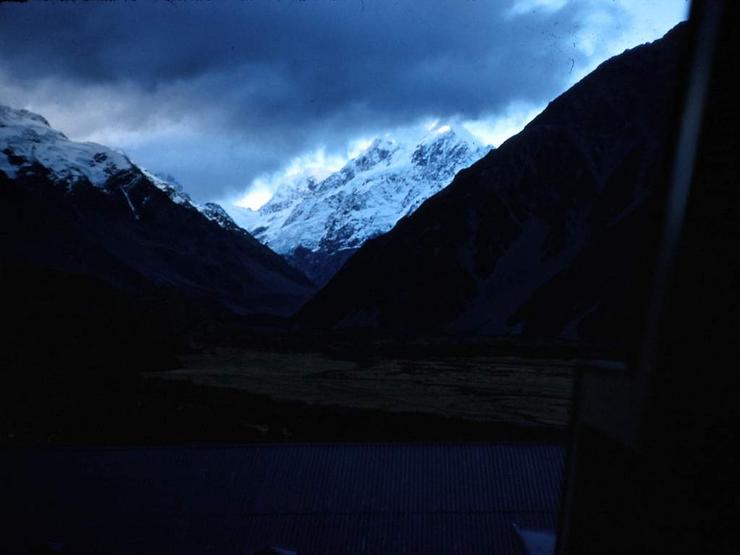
pixel 85 209
pixel 177 194
pixel 318 225
pixel 472 256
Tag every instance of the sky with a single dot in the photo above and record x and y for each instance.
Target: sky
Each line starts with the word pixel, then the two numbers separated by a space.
pixel 231 97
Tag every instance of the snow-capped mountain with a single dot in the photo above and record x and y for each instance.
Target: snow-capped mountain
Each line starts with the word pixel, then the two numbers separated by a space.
pixel 546 236
pixel 27 139
pixel 318 224
pixel 86 209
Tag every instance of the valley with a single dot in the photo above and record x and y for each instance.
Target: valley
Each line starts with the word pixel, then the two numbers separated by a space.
pixel 511 390
pixel 468 281
pixel 343 391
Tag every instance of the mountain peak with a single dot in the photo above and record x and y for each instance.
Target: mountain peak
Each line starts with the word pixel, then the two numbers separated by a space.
pixel 450 132
pixel 443 146
pixel 387 181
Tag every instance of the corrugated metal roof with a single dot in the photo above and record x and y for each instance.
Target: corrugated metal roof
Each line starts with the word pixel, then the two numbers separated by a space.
pixel 313 498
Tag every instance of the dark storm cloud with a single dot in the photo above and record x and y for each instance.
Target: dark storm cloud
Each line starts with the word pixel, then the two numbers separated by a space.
pixel 285 73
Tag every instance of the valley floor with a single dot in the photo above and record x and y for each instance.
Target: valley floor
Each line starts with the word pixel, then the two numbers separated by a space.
pixel 508 390
pixel 339 392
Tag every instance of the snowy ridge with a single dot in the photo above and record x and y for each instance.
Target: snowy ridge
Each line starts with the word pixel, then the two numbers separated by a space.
pixel 273 214
pixel 366 198
pixel 27 139
pixel 169 185
pixel 177 194
pixel 216 213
